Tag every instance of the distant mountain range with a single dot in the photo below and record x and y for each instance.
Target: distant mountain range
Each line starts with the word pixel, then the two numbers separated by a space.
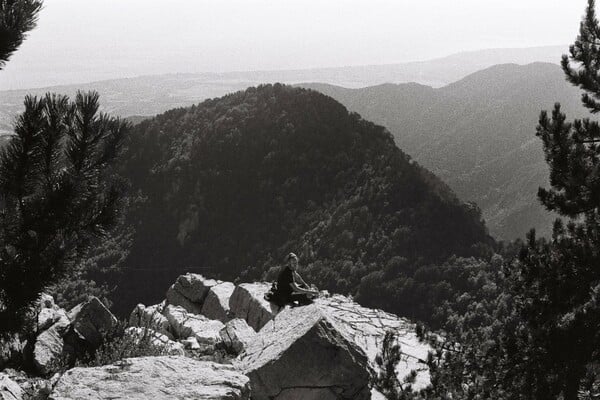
pixel 150 95
pixel 477 134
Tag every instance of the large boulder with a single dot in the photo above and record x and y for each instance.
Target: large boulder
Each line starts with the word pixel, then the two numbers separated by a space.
pixel 237 335
pixel 185 324
pixel 175 298
pixel 49 347
pixel 301 355
pixel 89 320
pixel 247 302
pixel 216 303
pixel 194 287
pixel 151 317
pixel 366 328
pixel 154 378
pixel 9 389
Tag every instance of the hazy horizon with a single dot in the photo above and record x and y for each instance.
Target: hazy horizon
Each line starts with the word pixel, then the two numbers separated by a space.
pixel 77 42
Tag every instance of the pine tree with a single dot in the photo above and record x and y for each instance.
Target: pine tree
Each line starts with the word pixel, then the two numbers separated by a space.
pixel 17 17
pixel 58 191
pixel 559 281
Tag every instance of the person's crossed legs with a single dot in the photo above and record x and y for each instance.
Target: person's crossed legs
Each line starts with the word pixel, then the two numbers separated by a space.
pixel 301 298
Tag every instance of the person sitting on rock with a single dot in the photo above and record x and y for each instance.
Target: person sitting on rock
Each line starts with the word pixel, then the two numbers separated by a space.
pixel 291 288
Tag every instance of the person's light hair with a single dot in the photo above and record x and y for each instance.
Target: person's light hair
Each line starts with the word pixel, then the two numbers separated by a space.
pixel 290 256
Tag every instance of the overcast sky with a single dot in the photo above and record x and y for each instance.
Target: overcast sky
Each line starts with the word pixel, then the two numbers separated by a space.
pixel 85 40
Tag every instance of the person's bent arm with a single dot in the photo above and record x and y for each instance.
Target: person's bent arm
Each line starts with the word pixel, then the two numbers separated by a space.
pixel 297 275
pixel 298 289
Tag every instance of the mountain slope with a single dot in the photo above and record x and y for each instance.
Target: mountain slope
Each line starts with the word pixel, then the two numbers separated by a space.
pixel 477 134
pixel 232 185
pixel 150 95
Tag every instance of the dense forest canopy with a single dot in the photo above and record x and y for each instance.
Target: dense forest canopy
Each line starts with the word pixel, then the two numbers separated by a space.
pixel 231 185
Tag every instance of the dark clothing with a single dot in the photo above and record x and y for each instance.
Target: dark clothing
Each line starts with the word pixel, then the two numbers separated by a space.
pixel 284 294
pixel 284 289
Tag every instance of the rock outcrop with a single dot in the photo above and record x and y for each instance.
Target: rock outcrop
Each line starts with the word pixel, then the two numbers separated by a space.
pixel 247 302
pixel 301 355
pixel 366 327
pixel 154 378
pixel 62 335
pixel 9 389
pixel 325 350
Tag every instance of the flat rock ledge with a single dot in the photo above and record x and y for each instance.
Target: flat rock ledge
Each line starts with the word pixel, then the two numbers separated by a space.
pixel 153 378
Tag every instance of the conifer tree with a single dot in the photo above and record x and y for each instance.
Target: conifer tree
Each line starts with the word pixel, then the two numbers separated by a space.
pixel 17 17
pixel 557 284
pixel 57 192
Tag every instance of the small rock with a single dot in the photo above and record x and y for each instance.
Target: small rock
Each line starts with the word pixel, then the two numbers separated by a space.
pixel 46 301
pixel 190 343
pixel 237 335
pixel 49 316
pixel 185 324
pixel 169 346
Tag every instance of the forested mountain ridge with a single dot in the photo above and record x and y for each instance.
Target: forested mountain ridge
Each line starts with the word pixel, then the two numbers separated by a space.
pixel 477 134
pixel 231 185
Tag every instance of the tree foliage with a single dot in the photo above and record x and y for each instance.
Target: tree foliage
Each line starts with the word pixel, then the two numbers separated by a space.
pixel 230 186
pixel 57 193
pixel 535 333
pixel 17 17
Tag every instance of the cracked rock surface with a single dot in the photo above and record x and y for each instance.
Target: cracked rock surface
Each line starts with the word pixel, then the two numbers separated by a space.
pixel 155 378
pixel 184 325
pixel 9 389
pixel 366 328
pixel 301 355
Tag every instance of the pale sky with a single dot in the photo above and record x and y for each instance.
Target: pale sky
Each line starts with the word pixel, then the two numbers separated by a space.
pixel 85 40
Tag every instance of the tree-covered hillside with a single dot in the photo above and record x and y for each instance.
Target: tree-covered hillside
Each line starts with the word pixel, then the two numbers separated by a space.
pixel 476 135
pixel 229 186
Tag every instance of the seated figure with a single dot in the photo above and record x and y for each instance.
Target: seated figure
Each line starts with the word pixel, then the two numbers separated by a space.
pixel 291 288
